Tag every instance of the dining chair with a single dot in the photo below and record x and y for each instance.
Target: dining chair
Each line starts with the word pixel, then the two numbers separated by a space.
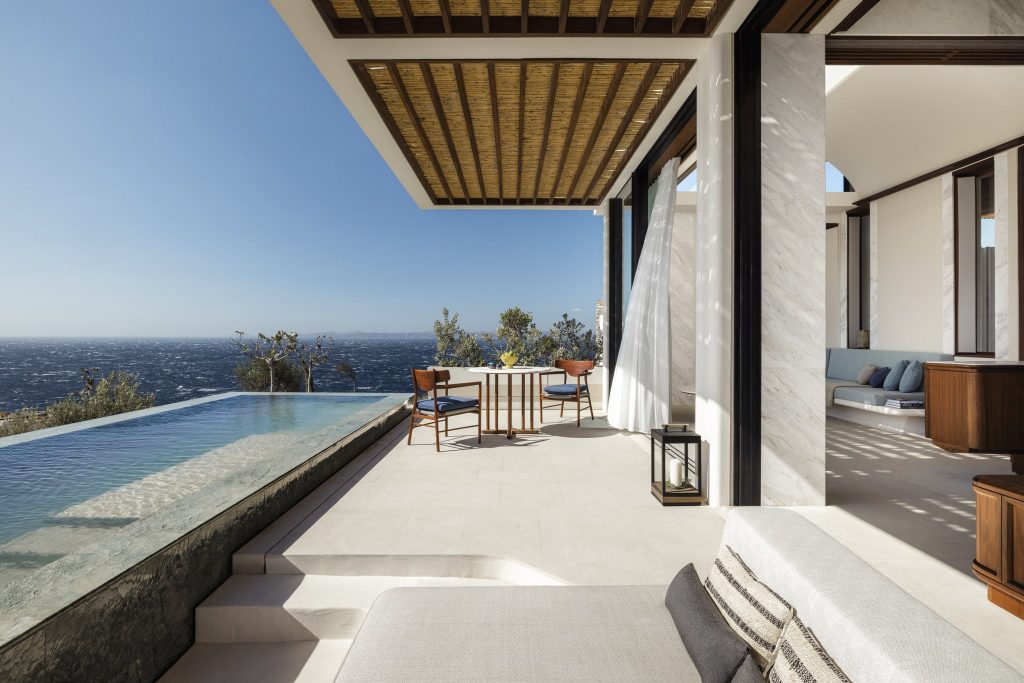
pixel 433 409
pixel 576 393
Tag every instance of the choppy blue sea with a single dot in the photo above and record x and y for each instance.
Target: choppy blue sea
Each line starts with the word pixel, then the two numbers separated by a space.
pixel 34 372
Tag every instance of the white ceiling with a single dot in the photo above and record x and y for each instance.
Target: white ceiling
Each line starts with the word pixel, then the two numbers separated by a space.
pixel 888 124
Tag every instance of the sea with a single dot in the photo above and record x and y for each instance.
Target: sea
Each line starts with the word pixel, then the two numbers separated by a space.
pixel 34 372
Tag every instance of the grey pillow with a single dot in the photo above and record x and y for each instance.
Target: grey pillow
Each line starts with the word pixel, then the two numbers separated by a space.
pixel 715 649
pixel 748 672
pixel 892 380
pixel 865 373
pixel 912 378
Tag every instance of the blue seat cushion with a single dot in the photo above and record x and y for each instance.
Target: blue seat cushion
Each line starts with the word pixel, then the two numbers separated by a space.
pixel 564 389
pixel 446 404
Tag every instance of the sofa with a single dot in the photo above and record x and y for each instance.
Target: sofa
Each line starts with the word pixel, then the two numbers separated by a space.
pixel 872 629
pixel 843 365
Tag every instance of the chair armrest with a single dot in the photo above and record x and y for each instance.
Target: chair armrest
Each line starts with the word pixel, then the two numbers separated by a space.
pixel 463 384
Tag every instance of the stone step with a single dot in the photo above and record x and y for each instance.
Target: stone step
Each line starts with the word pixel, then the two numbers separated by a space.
pixel 282 608
pixel 308 661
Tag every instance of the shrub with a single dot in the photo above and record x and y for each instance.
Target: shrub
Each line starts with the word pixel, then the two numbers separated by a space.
pixel 21 421
pixel 114 394
pixel 571 342
pixel 455 346
pixel 254 375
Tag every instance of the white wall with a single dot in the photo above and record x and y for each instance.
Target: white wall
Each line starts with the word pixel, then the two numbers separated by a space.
pixel 956 17
pixel 832 288
pixel 910 289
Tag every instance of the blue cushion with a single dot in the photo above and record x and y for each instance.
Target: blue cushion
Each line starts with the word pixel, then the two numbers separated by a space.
pixel 564 389
pixel 878 379
pixel 912 378
pixel 892 380
pixel 446 404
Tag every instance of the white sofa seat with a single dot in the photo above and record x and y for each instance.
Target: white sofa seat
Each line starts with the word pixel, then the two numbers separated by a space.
pixel 872 628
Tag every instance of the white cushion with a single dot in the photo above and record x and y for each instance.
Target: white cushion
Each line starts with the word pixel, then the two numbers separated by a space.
pixel 800 658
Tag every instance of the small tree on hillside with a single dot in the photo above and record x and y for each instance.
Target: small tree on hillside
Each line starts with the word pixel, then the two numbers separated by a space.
pixel 271 350
pixel 346 370
pixel 455 346
pixel 311 354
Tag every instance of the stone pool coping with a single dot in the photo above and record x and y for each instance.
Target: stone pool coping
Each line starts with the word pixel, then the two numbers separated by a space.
pixel 127 604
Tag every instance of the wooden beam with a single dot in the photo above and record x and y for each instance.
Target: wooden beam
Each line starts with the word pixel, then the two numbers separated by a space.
pixel 522 114
pixel 563 16
pixel 969 50
pixel 460 81
pixel 571 131
pixel 552 93
pixel 856 15
pixel 492 82
pixel 643 9
pixel 428 79
pixel 366 12
pixel 602 15
pixel 485 16
pixel 606 107
pixel 524 16
pixel 446 15
pixel 406 10
pixel 682 11
pixel 645 86
pixel 396 78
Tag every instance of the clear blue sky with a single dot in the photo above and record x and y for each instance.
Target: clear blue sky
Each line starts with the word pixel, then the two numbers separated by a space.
pixel 182 168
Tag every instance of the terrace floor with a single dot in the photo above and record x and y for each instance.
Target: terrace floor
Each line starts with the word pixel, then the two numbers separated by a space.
pixel 574 505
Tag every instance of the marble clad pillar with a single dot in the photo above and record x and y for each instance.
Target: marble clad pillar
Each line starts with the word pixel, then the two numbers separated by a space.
pixel 793 269
pixel 874 333
pixel 1003 181
pixel 714 227
pixel 948 266
pixel 844 283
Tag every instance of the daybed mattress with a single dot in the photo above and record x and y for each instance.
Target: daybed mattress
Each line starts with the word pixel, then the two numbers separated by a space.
pixel 536 633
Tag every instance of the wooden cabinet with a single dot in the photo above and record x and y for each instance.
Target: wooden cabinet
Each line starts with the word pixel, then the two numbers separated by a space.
pixel 976 407
pixel 999 557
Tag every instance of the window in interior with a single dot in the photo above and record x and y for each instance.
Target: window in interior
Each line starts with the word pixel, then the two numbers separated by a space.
pixel 975 260
pixel 688 182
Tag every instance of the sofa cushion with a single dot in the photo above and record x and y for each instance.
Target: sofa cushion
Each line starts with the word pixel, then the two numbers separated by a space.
pixel 564 389
pixel 800 658
pixel 447 404
pixel 874 630
pixel 878 379
pixel 846 363
pixel 870 396
pixel 748 672
pixel 714 647
pixel 892 380
pixel 912 378
pixel 751 608
pixel 865 373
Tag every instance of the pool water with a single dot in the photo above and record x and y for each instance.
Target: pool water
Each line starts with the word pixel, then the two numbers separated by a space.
pixel 41 477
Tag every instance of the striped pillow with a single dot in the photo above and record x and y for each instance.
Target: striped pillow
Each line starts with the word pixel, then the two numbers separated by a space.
pixel 753 609
pixel 800 658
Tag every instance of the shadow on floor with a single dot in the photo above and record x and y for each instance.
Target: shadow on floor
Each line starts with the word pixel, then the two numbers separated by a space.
pixel 905 486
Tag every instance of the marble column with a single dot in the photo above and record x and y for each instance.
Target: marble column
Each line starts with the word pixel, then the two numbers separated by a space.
pixel 606 294
pixel 874 336
pixel 714 228
pixel 792 269
pixel 844 283
pixel 1002 183
pixel 948 266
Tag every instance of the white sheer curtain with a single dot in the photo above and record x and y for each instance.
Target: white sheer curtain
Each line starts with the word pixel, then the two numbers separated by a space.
pixel 640 394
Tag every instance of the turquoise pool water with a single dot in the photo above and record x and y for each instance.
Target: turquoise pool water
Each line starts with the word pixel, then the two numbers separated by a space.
pixel 41 477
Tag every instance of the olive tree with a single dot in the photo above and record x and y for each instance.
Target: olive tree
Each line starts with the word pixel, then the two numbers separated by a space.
pixel 268 349
pixel 311 354
pixel 455 346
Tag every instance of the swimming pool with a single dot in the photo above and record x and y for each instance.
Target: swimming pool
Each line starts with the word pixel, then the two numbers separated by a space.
pixel 61 489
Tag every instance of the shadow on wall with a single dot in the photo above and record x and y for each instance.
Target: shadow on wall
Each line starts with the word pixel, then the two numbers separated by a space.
pixel 905 486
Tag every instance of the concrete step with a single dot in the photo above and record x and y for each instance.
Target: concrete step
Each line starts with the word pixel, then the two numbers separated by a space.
pixel 308 661
pixel 282 608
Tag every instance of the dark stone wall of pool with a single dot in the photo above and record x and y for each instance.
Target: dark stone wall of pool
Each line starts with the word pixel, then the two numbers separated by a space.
pixel 136 626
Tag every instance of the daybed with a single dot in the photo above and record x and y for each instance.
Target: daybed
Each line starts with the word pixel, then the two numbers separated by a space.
pixel 872 629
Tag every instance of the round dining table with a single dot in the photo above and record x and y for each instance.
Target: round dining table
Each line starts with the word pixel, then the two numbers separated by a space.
pixel 522 372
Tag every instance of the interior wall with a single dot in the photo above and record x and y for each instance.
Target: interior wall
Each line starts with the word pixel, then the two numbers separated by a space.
pixel 910 285
pixel 832 288
pixel 682 311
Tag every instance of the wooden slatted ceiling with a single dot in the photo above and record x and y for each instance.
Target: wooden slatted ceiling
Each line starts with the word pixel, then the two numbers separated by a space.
pixel 535 132
pixel 355 18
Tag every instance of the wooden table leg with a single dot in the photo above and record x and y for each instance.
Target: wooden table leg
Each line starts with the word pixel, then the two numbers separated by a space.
pixel 531 401
pixel 487 401
pixel 522 400
pixel 508 434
